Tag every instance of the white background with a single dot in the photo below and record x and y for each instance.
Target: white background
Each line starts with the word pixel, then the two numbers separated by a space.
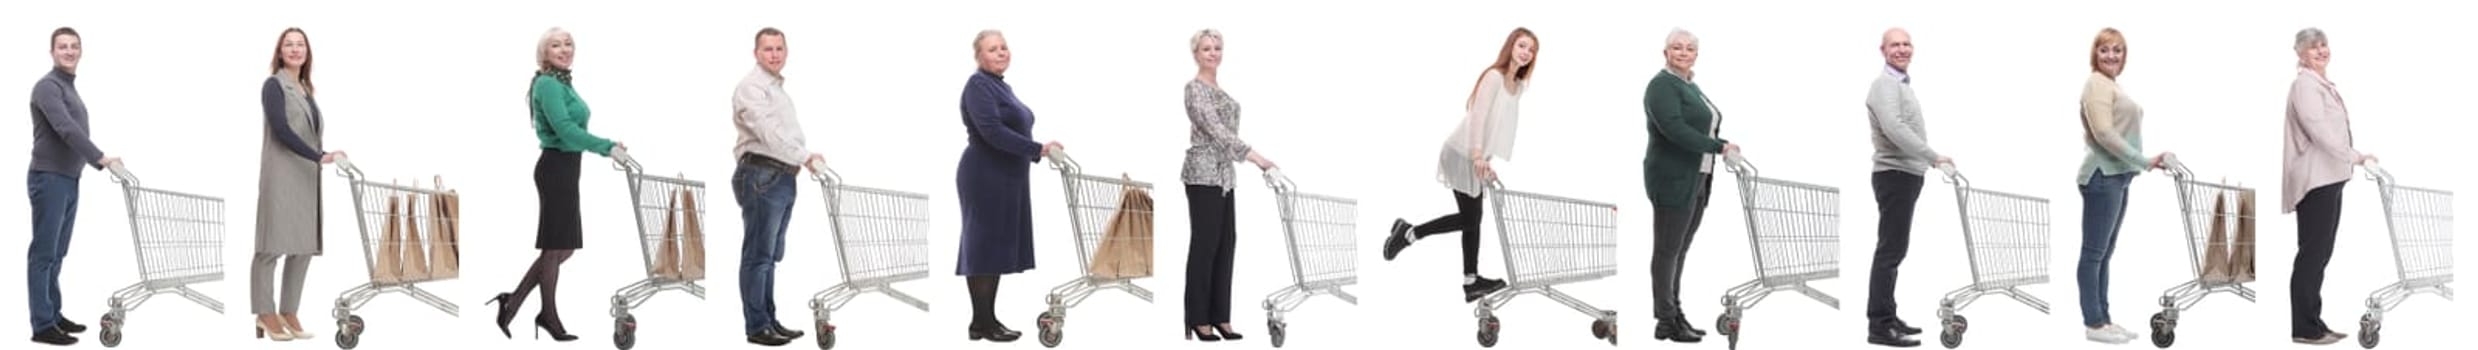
pixel 1351 98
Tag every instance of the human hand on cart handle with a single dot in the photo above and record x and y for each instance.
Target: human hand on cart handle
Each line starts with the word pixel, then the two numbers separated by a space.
pixel 1052 147
pixel 108 162
pixel 2366 158
pixel 331 157
pixel 1261 162
pixel 2160 161
pixel 1480 168
pixel 815 162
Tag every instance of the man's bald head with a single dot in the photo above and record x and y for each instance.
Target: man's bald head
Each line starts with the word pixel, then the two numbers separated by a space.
pixel 1896 48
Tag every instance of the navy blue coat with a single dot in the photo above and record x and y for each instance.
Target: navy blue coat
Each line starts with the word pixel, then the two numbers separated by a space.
pixel 993 181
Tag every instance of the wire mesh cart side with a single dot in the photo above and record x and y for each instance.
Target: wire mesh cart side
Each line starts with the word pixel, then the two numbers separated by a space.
pixel 180 241
pixel 1550 241
pixel 664 225
pixel 2194 200
pixel 881 238
pixel 392 219
pixel 2420 221
pixel 1794 237
pixel 1092 201
pixel 1324 253
pixel 2005 236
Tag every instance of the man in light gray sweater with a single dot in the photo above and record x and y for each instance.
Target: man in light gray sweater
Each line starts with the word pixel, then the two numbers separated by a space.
pixel 1902 158
pixel 61 150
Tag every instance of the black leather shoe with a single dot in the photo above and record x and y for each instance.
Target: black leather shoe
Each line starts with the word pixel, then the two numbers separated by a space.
pixel 67 326
pixel 769 337
pixel 1480 288
pixel 788 332
pixel 1397 239
pixel 995 333
pixel 54 337
pixel 1887 337
pixel 1905 328
pixel 1676 332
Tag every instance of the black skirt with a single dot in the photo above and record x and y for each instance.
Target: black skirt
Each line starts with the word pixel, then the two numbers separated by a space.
pixel 555 179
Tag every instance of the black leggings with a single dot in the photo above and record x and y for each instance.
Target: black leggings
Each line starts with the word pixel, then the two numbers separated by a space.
pixel 1673 230
pixel 1466 218
pixel 2318 225
pixel 544 273
pixel 1212 235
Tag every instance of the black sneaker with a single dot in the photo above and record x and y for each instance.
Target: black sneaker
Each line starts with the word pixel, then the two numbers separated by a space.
pixel 54 337
pixel 1397 239
pixel 72 327
pixel 1481 287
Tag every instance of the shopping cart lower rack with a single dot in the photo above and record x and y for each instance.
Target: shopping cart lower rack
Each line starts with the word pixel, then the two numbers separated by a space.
pixel 881 238
pixel 1324 253
pixel 180 241
pixel 1551 241
pixel 393 220
pixel 2420 220
pixel 2006 236
pixel 670 215
pixel 1091 203
pixel 2194 199
pixel 1794 234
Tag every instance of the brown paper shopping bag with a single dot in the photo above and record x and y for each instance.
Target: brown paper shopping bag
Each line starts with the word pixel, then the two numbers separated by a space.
pixel 2241 256
pixel 384 263
pixel 2216 247
pixel 667 248
pixel 443 248
pixel 1126 249
pixel 693 238
pixel 416 264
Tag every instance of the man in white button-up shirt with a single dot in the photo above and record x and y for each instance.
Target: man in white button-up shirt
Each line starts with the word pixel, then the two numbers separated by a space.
pixel 766 183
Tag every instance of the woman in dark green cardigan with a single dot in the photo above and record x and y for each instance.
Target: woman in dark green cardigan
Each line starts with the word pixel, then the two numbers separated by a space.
pixel 1677 175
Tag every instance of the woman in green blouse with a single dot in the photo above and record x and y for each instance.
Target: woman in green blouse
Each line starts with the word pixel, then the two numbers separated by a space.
pixel 559 119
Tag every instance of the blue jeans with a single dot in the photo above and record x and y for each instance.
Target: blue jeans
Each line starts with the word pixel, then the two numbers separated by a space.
pixel 2103 215
pixel 765 196
pixel 54 199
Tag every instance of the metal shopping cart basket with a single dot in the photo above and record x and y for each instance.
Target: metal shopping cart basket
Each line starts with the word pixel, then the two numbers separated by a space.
pixel 881 237
pixel 1091 202
pixel 2194 199
pixel 180 241
pixel 1324 253
pixel 1794 234
pixel 2007 240
pixel 1551 241
pixel 2421 223
pixel 376 212
pixel 655 199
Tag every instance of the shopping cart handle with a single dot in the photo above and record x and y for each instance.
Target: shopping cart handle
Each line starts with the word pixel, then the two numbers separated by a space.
pixel 1953 175
pixel 120 174
pixel 622 162
pixel 1060 161
pixel 344 167
pixel 1279 182
pixel 2175 168
pixel 2375 172
pixel 826 176
pixel 1738 164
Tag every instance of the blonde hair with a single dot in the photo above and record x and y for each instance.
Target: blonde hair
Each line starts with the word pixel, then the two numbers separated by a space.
pixel 2109 36
pixel 542 49
pixel 1198 42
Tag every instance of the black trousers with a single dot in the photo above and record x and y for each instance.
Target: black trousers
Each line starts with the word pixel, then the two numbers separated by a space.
pixel 1673 230
pixel 1213 234
pixel 1466 218
pixel 1897 197
pixel 2318 227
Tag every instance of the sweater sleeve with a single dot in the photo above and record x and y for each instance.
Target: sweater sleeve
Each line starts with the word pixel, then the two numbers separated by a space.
pixel 1483 106
pixel 1204 114
pixel 271 98
pixel 1884 101
pixel 2099 118
pixel 981 108
pixel 553 99
pixel 1664 102
pixel 54 107
pixel 2323 122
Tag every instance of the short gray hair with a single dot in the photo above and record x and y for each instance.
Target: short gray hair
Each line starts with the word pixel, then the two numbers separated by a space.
pixel 985 34
pixel 1681 33
pixel 1198 42
pixel 2309 37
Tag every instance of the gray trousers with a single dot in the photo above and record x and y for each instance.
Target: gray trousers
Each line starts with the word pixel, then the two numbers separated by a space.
pixel 262 282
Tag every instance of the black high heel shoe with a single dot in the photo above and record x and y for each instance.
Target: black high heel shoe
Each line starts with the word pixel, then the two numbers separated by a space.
pixel 507 313
pixel 558 332
pixel 1224 329
pixel 1200 333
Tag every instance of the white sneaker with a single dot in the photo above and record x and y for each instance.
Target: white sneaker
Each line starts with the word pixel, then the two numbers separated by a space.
pixel 2121 331
pixel 2105 335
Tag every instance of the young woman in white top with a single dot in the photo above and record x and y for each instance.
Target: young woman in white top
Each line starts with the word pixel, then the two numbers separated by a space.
pixel 1463 165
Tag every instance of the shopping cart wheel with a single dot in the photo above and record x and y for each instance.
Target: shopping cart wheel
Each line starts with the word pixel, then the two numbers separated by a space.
pixel 1279 330
pixel 1488 331
pixel 1605 329
pixel 1052 329
pixel 825 336
pixel 1954 328
pixel 2163 330
pixel 348 332
pixel 2370 330
pixel 624 332
pixel 111 329
pixel 1728 325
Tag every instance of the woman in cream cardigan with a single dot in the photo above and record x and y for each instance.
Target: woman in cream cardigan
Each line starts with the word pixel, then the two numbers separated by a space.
pixel 1487 131
pixel 288 188
pixel 2315 162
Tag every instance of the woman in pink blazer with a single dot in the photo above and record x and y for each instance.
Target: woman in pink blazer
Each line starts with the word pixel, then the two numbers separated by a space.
pixel 2316 160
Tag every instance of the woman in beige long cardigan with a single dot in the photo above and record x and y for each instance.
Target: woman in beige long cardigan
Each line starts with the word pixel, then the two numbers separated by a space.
pixel 288 189
pixel 2315 162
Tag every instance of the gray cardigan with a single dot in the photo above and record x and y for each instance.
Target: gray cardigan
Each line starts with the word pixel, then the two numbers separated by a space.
pixel 61 145
pixel 1900 133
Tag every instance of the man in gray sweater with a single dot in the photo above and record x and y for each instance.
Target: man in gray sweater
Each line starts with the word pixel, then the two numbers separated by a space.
pixel 1902 158
pixel 61 151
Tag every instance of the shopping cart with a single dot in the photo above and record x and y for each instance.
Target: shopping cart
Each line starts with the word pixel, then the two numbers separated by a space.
pixel 1551 241
pixel 180 241
pixel 2007 237
pixel 375 203
pixel 881 237
pixel 1324 253
pixel 1091 202
pixel 1794 234
pixel 2421 223
pixel 2194 198
pixel 651 197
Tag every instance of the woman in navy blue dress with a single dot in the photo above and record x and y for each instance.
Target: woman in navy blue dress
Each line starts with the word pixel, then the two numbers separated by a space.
pixel 994 184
